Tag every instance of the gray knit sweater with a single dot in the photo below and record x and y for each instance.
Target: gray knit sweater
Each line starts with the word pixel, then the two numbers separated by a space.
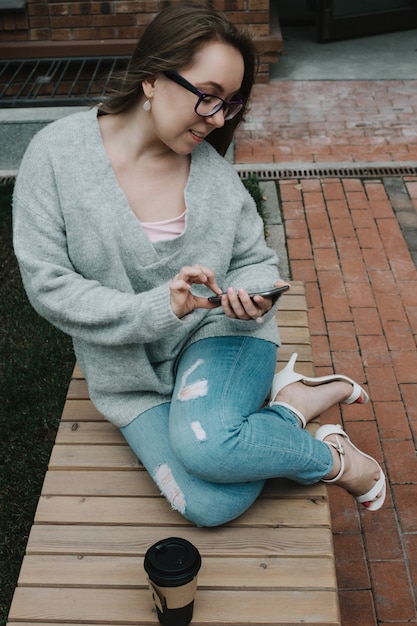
pixel 89 268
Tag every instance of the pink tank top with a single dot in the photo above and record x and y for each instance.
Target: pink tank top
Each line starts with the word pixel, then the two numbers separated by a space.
pixel 165 229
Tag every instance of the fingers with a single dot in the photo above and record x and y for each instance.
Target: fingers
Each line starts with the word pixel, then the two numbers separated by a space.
pixel 183 301
pixel 239 305
pixel 236 304
pixel 198 274
pixel 179 285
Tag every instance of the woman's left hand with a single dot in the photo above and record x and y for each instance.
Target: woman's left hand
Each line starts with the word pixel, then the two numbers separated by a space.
pixel 239 305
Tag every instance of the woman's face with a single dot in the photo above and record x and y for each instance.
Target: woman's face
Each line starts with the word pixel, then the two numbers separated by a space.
pixel 217 69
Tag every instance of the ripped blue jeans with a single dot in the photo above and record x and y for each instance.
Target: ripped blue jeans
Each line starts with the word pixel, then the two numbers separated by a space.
pixel 212 447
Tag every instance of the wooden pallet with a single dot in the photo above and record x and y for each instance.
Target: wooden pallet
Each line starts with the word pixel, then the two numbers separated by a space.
pixel 99 511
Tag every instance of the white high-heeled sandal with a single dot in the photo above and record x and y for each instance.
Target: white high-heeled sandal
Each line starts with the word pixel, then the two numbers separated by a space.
pixel 293 409
pixel 379 487
pixel 287 376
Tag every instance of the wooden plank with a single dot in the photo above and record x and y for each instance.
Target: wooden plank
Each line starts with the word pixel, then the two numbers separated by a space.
pixel 292 302
pixel 138 483
pixel 115 606
pixel 78 390
pixel 19 623
pixel 304 355
pixel 77 410
pixel 98 483
pixel 77 373
pixel 144 511
pixel 266 572
pixel 290 318
pixel 94 457
pixel 297 288
pixel 225 541
pixel 95 433
pixel 297 335
pixel 304 365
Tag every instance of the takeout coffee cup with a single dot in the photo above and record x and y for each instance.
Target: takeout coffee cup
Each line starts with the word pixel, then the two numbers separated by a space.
pixel 172 567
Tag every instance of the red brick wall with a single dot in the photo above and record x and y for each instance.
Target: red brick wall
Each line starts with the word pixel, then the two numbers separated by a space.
pixel 74 25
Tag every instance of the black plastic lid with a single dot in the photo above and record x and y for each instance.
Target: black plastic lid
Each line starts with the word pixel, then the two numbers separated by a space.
pixel 172 562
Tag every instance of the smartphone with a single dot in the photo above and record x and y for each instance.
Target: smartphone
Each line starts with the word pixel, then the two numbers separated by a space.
pixel 270 293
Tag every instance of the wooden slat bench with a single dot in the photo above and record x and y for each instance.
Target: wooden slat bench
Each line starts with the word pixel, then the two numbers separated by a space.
pixel 99 511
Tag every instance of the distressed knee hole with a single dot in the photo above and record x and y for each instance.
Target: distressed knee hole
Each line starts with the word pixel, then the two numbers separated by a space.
pixel 169 487
pixel 199 431
pixel 197 389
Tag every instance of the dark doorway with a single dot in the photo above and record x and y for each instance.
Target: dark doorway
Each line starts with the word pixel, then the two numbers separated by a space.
pixel 342 19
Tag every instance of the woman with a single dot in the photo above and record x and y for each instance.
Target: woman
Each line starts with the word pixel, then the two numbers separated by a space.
pixel 126 219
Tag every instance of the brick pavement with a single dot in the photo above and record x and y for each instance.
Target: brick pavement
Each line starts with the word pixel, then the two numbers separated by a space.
pixel 331 121
pixel 345 241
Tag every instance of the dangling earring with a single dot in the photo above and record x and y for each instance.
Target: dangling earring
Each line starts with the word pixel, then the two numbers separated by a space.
pixel 147 105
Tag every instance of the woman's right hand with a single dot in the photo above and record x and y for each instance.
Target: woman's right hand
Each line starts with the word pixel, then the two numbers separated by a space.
pixel 183 301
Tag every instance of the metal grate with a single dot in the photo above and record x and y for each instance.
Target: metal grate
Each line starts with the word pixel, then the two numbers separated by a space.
pixel 7 180
pixel 61 81
pixel 310 171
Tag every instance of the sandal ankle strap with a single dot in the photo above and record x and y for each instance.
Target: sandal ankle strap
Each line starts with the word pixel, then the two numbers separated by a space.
pixel 339 448
pixel 300 416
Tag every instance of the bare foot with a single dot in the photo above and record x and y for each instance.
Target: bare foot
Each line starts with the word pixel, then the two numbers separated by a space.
pixel 360 471
pixel 312 401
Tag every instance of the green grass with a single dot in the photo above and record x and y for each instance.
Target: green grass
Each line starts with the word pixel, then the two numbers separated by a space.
pixel 36 362
pixel 252 185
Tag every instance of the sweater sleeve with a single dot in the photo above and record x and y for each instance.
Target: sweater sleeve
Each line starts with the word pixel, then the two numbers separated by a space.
pixel 253 265
pixel 80 307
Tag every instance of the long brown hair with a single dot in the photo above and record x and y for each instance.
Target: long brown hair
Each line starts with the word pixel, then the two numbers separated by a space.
pixel 170 42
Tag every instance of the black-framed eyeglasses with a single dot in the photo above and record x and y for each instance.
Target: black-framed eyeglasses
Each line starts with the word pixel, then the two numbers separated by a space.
pixel 207 104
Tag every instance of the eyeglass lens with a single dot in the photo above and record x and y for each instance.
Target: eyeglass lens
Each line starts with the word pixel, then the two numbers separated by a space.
pixel 209 105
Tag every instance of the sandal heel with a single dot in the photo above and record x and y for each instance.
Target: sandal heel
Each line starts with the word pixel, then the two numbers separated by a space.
pixel 287 376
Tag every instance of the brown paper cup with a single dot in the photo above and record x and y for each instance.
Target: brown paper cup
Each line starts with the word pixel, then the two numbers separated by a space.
pixel 172 566
pixel 173 597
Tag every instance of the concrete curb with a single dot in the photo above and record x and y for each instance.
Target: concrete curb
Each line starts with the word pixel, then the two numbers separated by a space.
pixel 276 233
